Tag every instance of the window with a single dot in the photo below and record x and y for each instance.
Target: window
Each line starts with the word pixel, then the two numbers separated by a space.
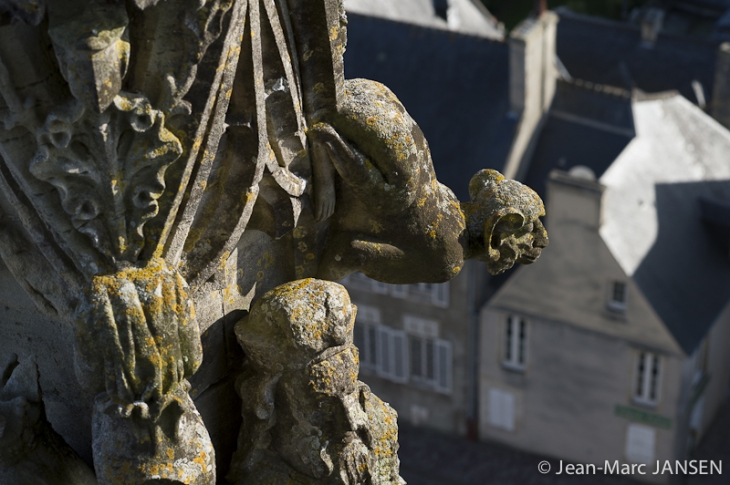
pixel 617 299
pixel 430 358
pixel 430 362
pixel 436 294
pixel 515 343
pixel 501 409
pixel 648 370
pixel 367 323
pixel 393 355
pixel 640 441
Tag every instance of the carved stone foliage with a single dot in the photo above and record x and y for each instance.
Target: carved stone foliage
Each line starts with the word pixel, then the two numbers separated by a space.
pixel 307 418
pixel 105 124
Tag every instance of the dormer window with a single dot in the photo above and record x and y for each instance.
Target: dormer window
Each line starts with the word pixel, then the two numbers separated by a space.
pixel 618 296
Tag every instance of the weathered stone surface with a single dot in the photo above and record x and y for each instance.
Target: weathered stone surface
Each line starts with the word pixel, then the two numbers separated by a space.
pixel 307 419
pixel 162 155
pixel 31 452
pixel 375 177
pixel 136 341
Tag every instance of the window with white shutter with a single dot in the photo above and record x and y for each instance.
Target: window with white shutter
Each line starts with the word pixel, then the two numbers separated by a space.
pixel 392 355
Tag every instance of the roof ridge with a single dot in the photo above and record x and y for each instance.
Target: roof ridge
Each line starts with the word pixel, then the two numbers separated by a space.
pixel 567 13
pixel 639 95
pixel 431 28
pixel 603 89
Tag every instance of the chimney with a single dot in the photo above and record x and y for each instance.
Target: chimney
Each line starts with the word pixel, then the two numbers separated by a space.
pixel 574 198
pixel 533 74
pixel 721 93
pixel 651 25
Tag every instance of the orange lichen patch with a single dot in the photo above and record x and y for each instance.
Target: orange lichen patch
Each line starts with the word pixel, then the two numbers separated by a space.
pixel 201 460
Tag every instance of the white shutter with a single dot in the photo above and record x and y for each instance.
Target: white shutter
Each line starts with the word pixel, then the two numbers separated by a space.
pixel 640 442
pixel 400 356
pixel 440 295
pixel 443 366
pixel 501 409
pixel 385 344
pixel 392 354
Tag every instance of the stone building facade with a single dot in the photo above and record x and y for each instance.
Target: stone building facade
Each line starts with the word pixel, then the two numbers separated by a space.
pixel 615 345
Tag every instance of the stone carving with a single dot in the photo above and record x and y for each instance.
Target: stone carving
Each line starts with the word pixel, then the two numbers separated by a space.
pixel 136 341
pixel 98 151
pixel 373 171
pixel 307 418
pixel 142 144
pixel 31 452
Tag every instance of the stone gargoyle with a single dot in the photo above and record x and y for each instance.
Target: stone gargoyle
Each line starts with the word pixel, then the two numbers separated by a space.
pixel 374 177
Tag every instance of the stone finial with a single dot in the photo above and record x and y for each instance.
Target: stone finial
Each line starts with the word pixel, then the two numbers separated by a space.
pixel 307 417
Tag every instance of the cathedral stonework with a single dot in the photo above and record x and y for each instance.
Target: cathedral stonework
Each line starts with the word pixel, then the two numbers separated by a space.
pixel 182 182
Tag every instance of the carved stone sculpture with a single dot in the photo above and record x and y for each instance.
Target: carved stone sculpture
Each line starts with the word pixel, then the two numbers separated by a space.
pixel 307 418
pixel 373 172
pixel 158 156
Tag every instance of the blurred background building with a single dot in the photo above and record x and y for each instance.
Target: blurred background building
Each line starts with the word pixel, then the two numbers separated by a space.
pixel 616 343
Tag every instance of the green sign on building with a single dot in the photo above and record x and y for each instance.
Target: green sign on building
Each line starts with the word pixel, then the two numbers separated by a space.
pixel 644 417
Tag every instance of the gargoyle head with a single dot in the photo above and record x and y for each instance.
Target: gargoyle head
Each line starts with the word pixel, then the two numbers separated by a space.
pixel 504 218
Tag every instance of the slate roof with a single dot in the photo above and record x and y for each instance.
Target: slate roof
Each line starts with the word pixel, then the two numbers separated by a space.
pixel 611 53
pixel 653 217
pixel 468 16
pixel 666 207
pixel 455 86
pixel 587 125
